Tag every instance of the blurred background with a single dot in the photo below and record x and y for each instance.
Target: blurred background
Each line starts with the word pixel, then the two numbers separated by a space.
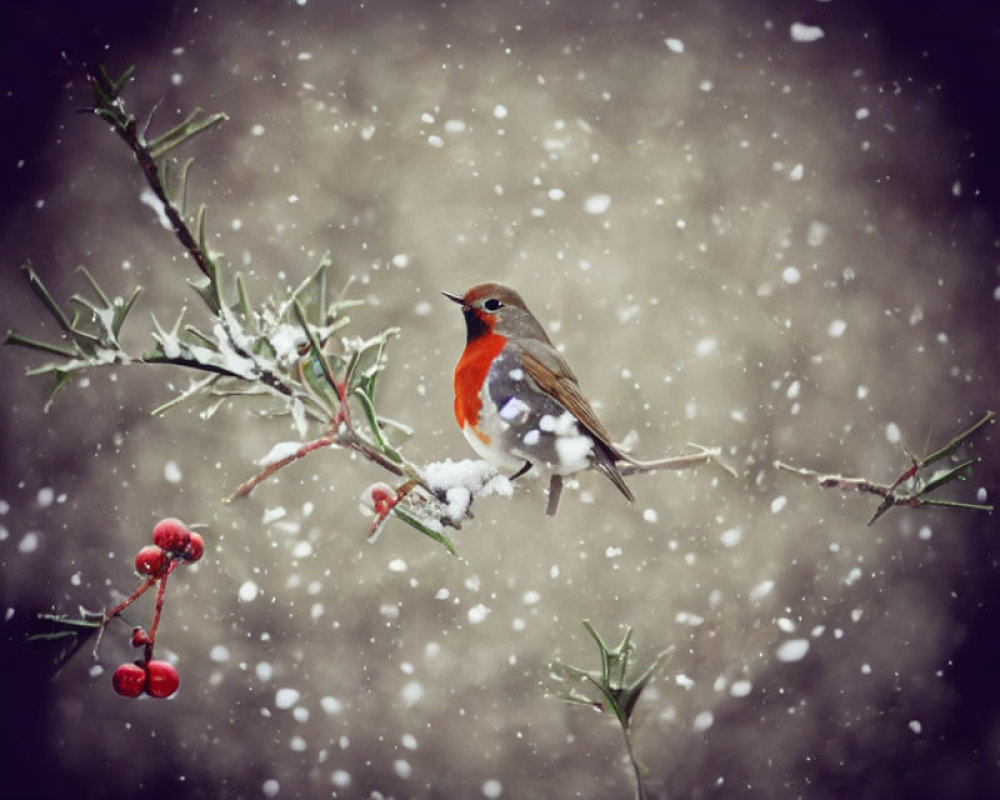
pixel 770 227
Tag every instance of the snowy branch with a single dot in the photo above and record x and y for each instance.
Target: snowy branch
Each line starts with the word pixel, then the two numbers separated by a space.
pixel 292 351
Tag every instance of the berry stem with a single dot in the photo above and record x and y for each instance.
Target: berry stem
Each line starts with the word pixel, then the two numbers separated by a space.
pixel 157 611
pixel 248 486
pixel 118 609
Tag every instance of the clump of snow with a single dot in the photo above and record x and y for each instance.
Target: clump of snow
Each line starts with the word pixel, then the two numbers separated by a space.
pixel 836 329
pixel 817 233
pixel 412 693
pixel 792 650
pixel 761 590
pixel 597 204
pixel 331 705
pixel 172 472
pixel 804 34
pixel 248 592
pixel 219 653
pixel 732 536
pixel 460 481
pixel 574 452
pixel 703 721
pixel 689 618
pixel 148 198
pixel 786 625
pixel 340 778
pixel 791 275
pixel 286 697
pixel 706 347
pixel 279 452
pixel 402 768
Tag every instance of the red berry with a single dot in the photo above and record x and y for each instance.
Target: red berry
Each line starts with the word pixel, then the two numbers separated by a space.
pixel 139 637
pixel 171 534
pixel 195 547
pixel 382 497
pixel 163 679
pixel 129 680
pixel 151 560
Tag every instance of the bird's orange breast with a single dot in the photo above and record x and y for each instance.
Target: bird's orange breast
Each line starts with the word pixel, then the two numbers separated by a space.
pixel 470 372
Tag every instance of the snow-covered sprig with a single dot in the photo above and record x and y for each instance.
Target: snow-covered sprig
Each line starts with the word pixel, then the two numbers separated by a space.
pixel 89 333
pixel 618 690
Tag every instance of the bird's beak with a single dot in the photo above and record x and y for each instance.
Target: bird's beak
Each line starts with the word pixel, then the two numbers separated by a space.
pixel 454 298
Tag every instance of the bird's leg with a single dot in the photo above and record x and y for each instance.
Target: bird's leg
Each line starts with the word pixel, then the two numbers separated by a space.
pixel 520 472
pixel 555 490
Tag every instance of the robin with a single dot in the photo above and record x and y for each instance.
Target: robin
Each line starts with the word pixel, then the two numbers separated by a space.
pixel 517 400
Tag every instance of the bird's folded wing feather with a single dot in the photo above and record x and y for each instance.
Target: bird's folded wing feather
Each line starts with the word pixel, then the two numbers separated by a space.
pixel 553 375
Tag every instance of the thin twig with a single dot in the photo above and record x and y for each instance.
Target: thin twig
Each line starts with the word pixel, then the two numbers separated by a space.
pixel 249 485
pixel 910 488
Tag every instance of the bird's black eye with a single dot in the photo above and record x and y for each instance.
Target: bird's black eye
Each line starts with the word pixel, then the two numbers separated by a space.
pixel 492 304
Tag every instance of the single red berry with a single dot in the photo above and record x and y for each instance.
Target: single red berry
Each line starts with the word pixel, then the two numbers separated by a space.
pixel 139 637
pixel 163 679
pixel 171 534
pixel 151 560
pixel 129 680
pixel 195 547
pixel 382 496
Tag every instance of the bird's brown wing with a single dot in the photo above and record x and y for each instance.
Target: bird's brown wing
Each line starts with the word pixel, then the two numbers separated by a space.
pixel 553 375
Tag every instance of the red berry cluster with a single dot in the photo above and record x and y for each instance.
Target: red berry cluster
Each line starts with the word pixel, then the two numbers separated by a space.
pixel 173 545
pixel 171 540
pixel 154 677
